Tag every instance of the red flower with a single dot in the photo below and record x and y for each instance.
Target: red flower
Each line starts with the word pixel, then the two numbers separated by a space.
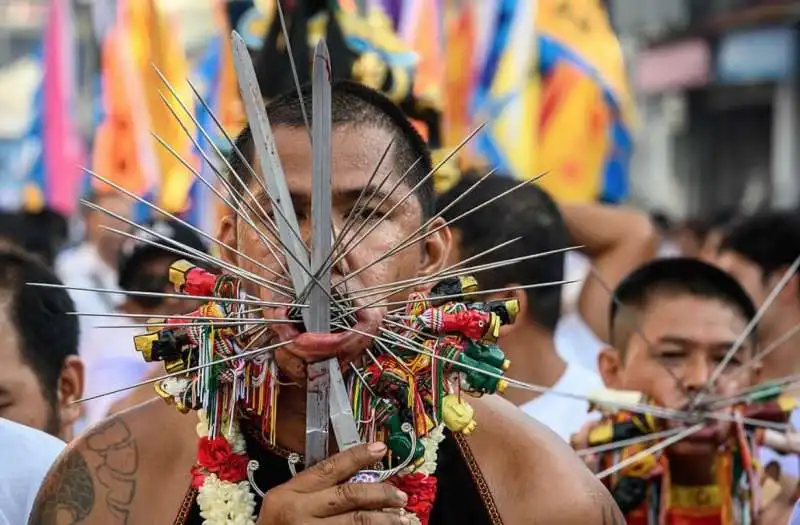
pixel 215 456
pixel 421 491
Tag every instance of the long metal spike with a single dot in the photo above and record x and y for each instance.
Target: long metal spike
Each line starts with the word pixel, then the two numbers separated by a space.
pixel 292 64
pixel 466 271
pixel 659 411
pixel 182 249
pixel 438 214
pixel 240 213
pixel 188 253
pixel 416 186
pixel 649 451
pixel 243 355
pixel 409 242
pixel 787 276
pixel 200 232
pixel 138 293
pixel 375 304
pixel 616 445
pixel 348 243
pixel 416 280
pixel 350 219
pixel 774 345
pixel 220 323
pixel 263 216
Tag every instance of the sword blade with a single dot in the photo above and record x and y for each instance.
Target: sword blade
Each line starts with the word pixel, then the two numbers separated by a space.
pixel 271 169
pixel 326 394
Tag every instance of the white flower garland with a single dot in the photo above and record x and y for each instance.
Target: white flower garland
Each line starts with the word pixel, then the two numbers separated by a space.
pixel 223 502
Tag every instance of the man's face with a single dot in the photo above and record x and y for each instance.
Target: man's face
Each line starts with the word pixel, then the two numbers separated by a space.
pixel 356 153
pixel 690 336
pixel 22 398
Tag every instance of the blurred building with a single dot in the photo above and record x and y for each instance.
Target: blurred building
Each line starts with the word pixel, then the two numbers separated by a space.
pixel 716 81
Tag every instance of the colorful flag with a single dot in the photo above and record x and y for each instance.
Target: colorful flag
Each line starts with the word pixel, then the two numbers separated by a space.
pixel 63 154
pixel 587 110
pixel 506 92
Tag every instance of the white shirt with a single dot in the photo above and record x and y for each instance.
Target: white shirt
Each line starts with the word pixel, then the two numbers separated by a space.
pixel 576 343
pixel 26 455
pixel 82 267
pixel 565 415
pixel 111 363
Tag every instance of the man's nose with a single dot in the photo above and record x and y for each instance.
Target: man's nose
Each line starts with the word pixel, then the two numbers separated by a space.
pixel 697 374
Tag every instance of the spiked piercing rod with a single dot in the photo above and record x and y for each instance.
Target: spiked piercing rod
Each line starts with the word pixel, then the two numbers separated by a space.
pixel 627 442
pixel 647 409
pixel 204 298
pixel 410 241
pixel 773 295
pixel 180 221
pixel 410 192
pixel 243 355
pixel 182 249
pixel 650 451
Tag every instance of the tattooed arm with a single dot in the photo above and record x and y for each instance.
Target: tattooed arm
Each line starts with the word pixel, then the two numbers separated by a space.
pixel 93 482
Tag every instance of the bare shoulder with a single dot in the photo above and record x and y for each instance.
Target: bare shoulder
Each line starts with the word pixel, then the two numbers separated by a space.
pixel 118 469
pixel 534 476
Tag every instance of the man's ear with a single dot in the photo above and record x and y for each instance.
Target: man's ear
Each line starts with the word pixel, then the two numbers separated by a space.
pixel 436 248
pixel 610 365
pixel 69 390
pixel 228 235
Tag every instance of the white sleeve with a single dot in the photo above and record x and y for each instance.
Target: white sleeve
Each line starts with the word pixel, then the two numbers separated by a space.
pixel 26 455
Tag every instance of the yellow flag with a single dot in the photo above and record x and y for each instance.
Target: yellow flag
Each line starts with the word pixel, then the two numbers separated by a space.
pixel 157 43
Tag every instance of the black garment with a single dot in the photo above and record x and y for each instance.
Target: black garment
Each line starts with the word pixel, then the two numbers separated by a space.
pixel 462 495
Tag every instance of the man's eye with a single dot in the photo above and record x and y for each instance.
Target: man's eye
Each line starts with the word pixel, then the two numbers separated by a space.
pixel 733 362
pixel 671 355
pixel 366 213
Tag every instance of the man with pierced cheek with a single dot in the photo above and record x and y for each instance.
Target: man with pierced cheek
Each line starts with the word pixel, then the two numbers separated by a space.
pixel 133 471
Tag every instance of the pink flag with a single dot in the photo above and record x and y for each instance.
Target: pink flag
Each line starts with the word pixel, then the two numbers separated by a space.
pixel 63 154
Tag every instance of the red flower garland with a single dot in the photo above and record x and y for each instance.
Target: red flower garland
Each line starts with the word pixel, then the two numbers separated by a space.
pixel 421 491
pixel 215 456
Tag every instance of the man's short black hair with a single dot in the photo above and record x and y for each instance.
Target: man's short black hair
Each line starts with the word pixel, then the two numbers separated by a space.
pixel 354 105
pixel 671 277
pixel 527 212
pixel 46 334
pixel 771 240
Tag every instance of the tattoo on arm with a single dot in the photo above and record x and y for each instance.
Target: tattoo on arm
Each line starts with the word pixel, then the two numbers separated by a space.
pixel 68 496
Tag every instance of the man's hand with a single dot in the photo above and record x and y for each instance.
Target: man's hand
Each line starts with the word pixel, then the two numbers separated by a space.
pixel 580 441
pixel 319 496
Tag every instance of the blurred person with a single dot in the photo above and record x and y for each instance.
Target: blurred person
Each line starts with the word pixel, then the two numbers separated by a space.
pixel 110 357
pixel 689 314
pixel 42 374
pixel 758 251
pixel 715 228
pixel 614 241
pixel 529 342
pixel 93 263
pixel 668 247
pixel 26 455
pixel 43 233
